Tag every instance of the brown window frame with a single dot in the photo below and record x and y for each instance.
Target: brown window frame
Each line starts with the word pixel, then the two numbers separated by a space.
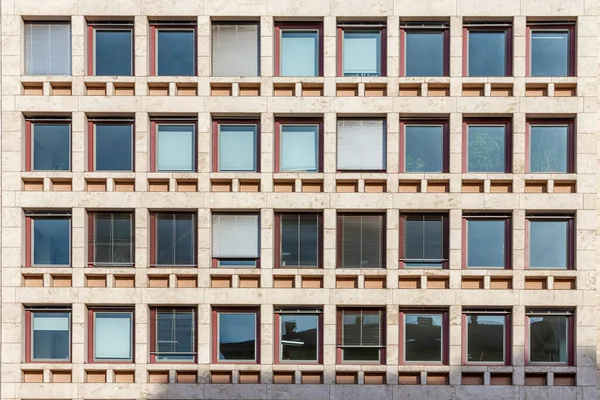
pixel 91 140
pixel 29 139
pixel 91 342
pixel 279 237
pixel 171 25
pixel 340 335
pixel 153 336
pixel 342 27
pixel 340 241
pixel 153 238
pixel 482 26
pixel 507 340
pixel 408 26
pixel 154 123
pixel 29 333
pixel 92 27
pixel 215 142
pixel 569 26
pixel 571 239
pixel 508 145
pixel 279 122
pixel 507 239
pixel 445 345
pixel 280 27
pixel 571 332
pixel 571 142
pixel 445 261
pixel 30 217
pixel 277 331
pixel 215 312
pixel 445 142
pixel 92 234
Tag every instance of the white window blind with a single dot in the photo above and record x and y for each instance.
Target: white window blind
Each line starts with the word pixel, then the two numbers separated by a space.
pixel 112 336
pixel 50 322
pixel 235 236
pixel 361 144
pixel 299 147
pixel 235 49
pixel 47 48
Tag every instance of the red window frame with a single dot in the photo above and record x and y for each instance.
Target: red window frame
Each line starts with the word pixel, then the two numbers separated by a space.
pixel 92 233
pixel 340 243
pixel 279 235
pixel 571 145
pixel 215 332
pixel 507 239
pixel 570 219
pixel 181 25
pixel 507 336
pixel 29 122
pixel 445 141
pixel 298 26
pixel 29 217
pixel 468 122
pixel 153 338
pixel 444 27
pixel 339 329
pixel 570 27
pixel 446 234
pixel 351 27
pixel 29 335
pixel 215 140
pixel 445 336
pixel 277 331
pixel 91 140
pixel 91 42
pixel 491 27
pixel 91 356
pixel 153 238
pixel 571 339
pixel 154 142
pixel 298 121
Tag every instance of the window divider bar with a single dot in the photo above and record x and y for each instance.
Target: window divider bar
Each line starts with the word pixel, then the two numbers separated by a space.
pixel 440 27
pixel 550 23
pixel 487 25
pixel 486 311
pixel 347 25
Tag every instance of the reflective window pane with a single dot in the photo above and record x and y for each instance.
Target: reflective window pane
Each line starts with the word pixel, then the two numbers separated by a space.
pixel 423 338
pixel 485 338
pixel 175 335
pixel 51 339
pixel 486 243
pixel 237 147
pixel 51 147
pixel 113 147
pixel 299 53
pixel 486 148
pixel 487 53
pixel 361 335
pixel 548 244
pixel 113 336
pixel 550 53
pixel 51 241
pixel 424 148
pixel 299 148
pixel 299 337
pixel 424 54
pixel 175 239
pixel 175 148
pixel 362 53
pixel 237 336
pixel 113 52
pixel 113 239
pixel 299 240
pixel 548 339
pixel 175 52
pixel 549 147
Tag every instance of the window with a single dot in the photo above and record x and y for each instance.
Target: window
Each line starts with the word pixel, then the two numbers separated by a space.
pixel 424 146
pixel 361 335
pixel 48 144
pixel 236 335
pixel 110 49
pixel 299 146
pixel 299 240
pixel 299 335
pixel 47 48
pixel 424 240
pixel 111 239
pixel 172 334
pixel 488 146
pixel 173 239
pixel 487 49
pixel 551 48
pixel 487 337
pixel 236 146
pixel 551 241
pixel 550 144
pixel 361 50
pixel 236 240
pixel 111 331
pixel 48 334
pixel 550 336
pixel 235 49
pixel 48 238
pixel 110 144
pixel 173 48
pixel 424 49
pixel 361 144
pixel 173 145
pixel 424 336
pixel 488 241
pixel 361 241
pixel 300 49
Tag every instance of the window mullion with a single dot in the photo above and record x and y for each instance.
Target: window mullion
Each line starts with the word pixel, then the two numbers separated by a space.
pixel 299 236
pixel 173 238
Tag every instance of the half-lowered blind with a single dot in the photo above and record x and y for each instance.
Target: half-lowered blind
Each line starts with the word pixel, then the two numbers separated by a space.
pixel 48 48
pixel 361 144
pixel 235 236
pixel 235 49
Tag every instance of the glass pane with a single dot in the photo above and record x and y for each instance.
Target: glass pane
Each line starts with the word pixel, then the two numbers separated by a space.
pixel 423 337
pixel 299 148
pixel 424 148
pixel 548 243
pixel 175 52
pixel 51 147
pixel 362 53
pixel 51 336
pixel 113 147
pixel 486 239
pixel 112 336
pixel 299 53
pixel 487 53
pixel 237 336
pixel 299 337
pixel 549 148
pixel 175 239
pixel 122 252
pixel 184 240
pixel 113 52
pixel 309 241
pixel 424 53
pixel 548 339
pixel 175 335
pixel 486 148
pixel 549 53
pixel 237 148
pixel 485 338
pixel 352 333
pixel 360 353
pixel 176 148
pixel 51 241
pixel 290 241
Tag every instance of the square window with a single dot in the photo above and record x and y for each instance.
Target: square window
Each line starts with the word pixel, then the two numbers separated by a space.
pixel 550 338
pixel 110 52
pixel 300 337
pixel 49 145
pixel 300 49
pixel 50 338
pixel 236 147
pixel 111 146
pixel 299 146
pixel 173 49
pixel 361 144
pixel 47 48
pixel 237 336
pixel 173 238
pixel 112 332
pixel 488 241
pixel 425 49
pixel 551 146
pixel 361 335
pixel 361 50
pixel 361 241
pixel 111 239
pixel 551 49
pixel 488 49
pixel 236 240
pixel 173 335
pixel 235 49
pixel 48 239
pixel 425 336
pixel 424 240
pixel 487 337
pixel 551 242
pixel 424 146
pixel 299 240
pixel 174 146
pixel 488 147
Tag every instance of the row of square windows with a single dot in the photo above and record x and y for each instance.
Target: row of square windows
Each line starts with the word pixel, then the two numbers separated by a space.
pixel 361 48
pixel 298 240
pixel 360 335
pixel 299 145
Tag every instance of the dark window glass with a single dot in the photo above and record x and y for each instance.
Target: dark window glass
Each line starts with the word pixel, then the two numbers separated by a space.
pixel 424 240
pixel 548 244
pixel 424 148
pixel 237 336
pixel 113 335
pixel 176 53
pixel 485 338
pixel 486 243
pixel 361 335
pixel 550 53
pixel 113 239
pixel 299 337
pixel 486 148
pixel 487 53
pixel 424 53
pixel 51 147
pixel 423 338
pixel 113 52
pixel 51 241
pixel 175 335
pixel 362 241
pixel 175 239
pixel 113 147
pixel 299 53
pixel 51 335
pixel 362 53
pixel 299 240
pixel 548 338
pixel 549 148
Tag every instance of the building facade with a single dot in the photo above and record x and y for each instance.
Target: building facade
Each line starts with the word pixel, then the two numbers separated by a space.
pixel 325 199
